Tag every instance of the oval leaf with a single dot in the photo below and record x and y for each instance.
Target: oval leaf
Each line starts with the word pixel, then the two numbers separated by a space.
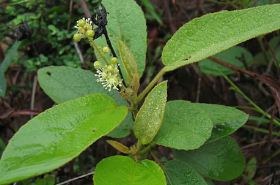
pixel 126 22
pixel 57 135
pixel 237 56
pixel 119 170
pixel 149 118
pixel 184 126
pixel 179 173
pixel 226 120
pixel 220 160
pixel 128 66
pixel 63 83
pixel 213 33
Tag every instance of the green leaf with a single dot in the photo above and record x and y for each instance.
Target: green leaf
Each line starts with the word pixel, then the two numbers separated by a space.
pixel 210 34
pixel 149 118
pixel 11 56
pixel 179 173
pixel 128 65
pixel 58 135
pixel 226 120
pixel 184 126
pixel 220 160
pixel 251 168
pixel 236 56
pixel 123 170
pixel 67 83
pixel 126 22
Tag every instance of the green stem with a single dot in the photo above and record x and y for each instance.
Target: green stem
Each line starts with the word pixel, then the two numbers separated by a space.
pixel 95 47
pixel 257 108
pixel 261 130
pixel 151 84
pixel 147 148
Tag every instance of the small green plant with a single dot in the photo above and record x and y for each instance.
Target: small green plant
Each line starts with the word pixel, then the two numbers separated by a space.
pixel 107 103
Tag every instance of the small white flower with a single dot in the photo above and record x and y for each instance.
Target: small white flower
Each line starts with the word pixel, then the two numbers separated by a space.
pixel 109 77
pixel 84 29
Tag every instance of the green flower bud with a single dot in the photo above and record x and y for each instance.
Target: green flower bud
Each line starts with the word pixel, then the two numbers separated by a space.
pixel 81 22
pixel 114 60
pixel 90 33
pixel 106 49
pixel 97 65
pixel 77 37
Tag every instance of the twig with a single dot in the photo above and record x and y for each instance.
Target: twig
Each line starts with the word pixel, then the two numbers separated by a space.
pixel 259 143
pixel 85 8
pixel 257 108
pixel 261 130
pixel 76 178
pixel 34 87
pixel 70 14
pixel 198 89
pixel 79 52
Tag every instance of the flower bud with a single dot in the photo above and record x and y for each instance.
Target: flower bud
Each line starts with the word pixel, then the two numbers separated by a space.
pixel 81 22
pixel 114 60
pixel 90 33
pixel 106 49
pixel 77 37
pixel 97 65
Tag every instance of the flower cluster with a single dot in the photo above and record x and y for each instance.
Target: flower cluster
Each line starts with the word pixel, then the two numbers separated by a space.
pixel 107 69
pixel 108 74
pixel 84 29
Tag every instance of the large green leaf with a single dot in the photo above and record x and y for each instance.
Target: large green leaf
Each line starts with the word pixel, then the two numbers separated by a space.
pixel 149 118
pixel 123 170
pixel 213 33
pixel 11 56
pixel 126 22
pixel 184 126
pixel 237 56
pixel 57 135
pixel 178 173
pixel 226 120
pixel 62 83
pixel 220 160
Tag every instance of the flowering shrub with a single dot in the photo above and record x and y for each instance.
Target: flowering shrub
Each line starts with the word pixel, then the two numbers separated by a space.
pixel 108 103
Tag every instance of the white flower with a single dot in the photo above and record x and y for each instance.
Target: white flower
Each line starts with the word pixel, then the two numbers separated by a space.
pixel 109 77
pixel 84 29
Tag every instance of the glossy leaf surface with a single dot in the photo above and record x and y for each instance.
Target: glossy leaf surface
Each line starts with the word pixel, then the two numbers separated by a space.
pixel 126 22
pixel 226 120
pixel 58 135
pixel 118 170
pixel 184 126
pixel 236 56
pixel 179 173
pixel 67 83
pixel 212 33
pixel 220 160
pixel 149 118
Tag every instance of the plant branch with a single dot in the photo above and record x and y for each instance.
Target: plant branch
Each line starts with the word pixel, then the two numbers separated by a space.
pixel 256 107
pixel 261 130
pixel 76 178
pixel 151 84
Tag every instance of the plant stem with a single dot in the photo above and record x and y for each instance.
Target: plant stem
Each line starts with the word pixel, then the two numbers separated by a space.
pixel 261 130
pixel 151 84
pixel 257 108
pixel 95 47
